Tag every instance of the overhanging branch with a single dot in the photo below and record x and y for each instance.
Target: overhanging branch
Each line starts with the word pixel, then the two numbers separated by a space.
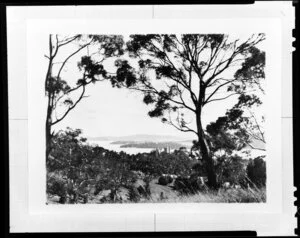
pixel 218 99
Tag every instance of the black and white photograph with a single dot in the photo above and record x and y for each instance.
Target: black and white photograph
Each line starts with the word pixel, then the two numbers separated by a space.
pixel 151 118
pixel 155 118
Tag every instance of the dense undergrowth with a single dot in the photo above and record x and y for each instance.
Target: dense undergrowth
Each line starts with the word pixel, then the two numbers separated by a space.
pixel 80 173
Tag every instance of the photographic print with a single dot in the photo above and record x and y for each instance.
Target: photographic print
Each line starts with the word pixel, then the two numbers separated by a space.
pixel 151 118
pixel 155 118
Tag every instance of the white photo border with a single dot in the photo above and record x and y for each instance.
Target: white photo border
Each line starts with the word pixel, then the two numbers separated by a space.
pixel 31 171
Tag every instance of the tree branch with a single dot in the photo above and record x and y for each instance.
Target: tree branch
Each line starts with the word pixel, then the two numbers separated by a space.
pixel 258 127
pixel 69 40
pixel 255 148
pixel 170 122
pixel 71 55
pixel 217 99
pixel 70 108
pixel 220 86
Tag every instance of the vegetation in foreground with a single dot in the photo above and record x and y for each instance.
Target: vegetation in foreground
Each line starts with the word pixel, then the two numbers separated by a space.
pixel 80 173
pixel 231 195
pixel 193 70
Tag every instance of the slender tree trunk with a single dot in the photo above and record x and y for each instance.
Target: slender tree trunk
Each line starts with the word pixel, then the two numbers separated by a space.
pixel 48 124
pixel 48 132
pixel 205 153
pixel 49 106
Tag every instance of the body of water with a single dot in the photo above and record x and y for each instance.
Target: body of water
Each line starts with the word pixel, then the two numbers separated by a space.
pixel 117 147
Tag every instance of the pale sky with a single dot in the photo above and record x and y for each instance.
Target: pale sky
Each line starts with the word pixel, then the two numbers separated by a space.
pixel 111 111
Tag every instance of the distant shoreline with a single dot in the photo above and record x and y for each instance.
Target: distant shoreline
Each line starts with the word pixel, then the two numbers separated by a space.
pixel 141 138
pixel 154 145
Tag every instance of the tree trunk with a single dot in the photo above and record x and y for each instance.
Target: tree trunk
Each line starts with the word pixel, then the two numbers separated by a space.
pixel 48 142
pixel 205 153
pixel 49 106
pixel 48 130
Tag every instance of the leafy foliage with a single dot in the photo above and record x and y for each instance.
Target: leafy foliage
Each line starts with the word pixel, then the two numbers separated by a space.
pixel 165 180
pixel 59 91
pixel 231 169
pixel 177 59
pixel 81 165
pixel 191 67
pixel 163 163
pixel 256 171
pixel 115 176
pixel 56 85
pixel 92 70
pixel 78 172
pixel 188 185
pixel 109 45
pixel 235 130
pixel 124 75
pixel 252 70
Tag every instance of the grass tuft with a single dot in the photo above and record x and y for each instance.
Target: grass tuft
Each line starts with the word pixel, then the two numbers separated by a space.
pixel 220 196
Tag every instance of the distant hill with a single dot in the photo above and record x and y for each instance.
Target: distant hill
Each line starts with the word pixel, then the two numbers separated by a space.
pixel 157 145
pixel 140 138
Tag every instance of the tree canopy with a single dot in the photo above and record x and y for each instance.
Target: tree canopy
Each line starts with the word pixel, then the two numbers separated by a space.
pixel 192 68
pixel 184 73
pixel 63 97
pixel 178 75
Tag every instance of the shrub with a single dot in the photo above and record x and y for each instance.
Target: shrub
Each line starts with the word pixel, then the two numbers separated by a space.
pixel 256 171
pixel 199 168
pixel 232 169
pixel 185 185
pixel 165 180
pixel 147 181
pixel 133 194
pixel 56 185
pixel 163 163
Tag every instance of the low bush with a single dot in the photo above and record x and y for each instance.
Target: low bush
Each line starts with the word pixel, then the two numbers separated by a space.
pixel 133 194
pixel 256 171
pixel 57 186
pixel 165 180
pixel 185 185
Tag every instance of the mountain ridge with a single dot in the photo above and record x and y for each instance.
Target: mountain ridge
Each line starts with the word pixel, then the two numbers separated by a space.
pixel 141 137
